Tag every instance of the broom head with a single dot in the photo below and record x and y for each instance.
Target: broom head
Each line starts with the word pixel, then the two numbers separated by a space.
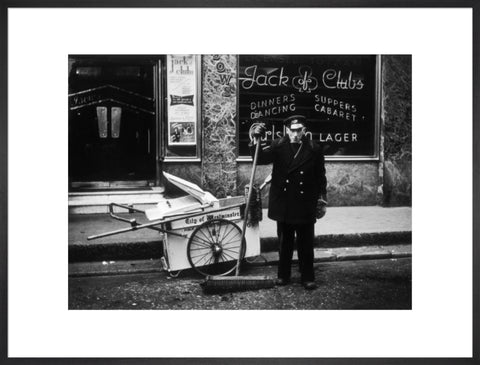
pixel 227 284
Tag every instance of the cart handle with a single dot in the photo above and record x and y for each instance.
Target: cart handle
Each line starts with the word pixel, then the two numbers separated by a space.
pixel 134 228
pixel 130 209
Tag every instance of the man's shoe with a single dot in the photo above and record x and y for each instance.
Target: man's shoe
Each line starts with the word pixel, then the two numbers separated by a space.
pixel 309 285
pixel 281 282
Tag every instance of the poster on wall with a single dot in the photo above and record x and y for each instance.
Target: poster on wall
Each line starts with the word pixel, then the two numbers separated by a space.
pixel 182 94
pixel 336 93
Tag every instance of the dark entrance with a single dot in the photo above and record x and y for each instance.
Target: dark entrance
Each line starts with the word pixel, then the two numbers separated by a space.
pixel 112 121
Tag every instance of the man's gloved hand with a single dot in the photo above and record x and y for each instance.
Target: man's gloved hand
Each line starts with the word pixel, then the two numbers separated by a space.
pixel 321 208
pixel 258 130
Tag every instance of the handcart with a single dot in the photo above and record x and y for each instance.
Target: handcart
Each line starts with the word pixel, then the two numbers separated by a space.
pixel 199 230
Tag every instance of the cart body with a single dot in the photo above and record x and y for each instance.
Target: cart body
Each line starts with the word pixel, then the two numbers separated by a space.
pixel 175 247
pixel 197 225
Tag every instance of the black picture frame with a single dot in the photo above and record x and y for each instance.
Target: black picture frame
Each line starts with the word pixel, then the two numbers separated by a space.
pixel 5 5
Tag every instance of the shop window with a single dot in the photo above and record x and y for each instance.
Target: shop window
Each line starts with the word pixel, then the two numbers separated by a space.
pixel 339 95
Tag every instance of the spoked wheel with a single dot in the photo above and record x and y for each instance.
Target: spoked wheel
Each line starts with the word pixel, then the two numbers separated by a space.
pixel 214 247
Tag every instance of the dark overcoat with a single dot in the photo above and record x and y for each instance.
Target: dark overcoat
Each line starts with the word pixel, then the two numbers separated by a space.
pixel 297 183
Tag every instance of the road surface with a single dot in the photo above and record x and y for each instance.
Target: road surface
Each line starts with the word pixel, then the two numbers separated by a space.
pixel 362 284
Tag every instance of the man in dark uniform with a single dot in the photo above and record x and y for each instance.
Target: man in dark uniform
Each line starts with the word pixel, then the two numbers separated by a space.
pixel 297 195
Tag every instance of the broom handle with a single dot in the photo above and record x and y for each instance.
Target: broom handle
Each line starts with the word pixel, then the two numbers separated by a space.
pixel 247 206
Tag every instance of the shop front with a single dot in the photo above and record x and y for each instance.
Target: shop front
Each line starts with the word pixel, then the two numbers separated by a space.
pixel 133 117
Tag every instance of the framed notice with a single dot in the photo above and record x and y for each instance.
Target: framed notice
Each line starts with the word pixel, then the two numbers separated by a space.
pixel 336 93
pixel 182 96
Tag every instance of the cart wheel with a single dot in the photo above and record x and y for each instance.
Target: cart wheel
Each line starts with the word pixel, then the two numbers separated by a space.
pixel 214 246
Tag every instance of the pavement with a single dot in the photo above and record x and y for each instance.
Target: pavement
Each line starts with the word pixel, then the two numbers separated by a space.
pixel 345 233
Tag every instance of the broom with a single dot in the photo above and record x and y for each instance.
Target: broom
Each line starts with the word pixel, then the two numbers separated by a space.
pixel 219 284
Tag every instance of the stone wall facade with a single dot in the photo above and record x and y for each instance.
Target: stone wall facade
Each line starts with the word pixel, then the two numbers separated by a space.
pixel 219 115
pixel 352 183
pixel 397 130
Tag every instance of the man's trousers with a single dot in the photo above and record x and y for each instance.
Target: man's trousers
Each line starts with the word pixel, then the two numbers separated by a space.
pixel 286 235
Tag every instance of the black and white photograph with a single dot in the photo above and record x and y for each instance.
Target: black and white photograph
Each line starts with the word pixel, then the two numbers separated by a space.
pixel 326 196
pixel 239 183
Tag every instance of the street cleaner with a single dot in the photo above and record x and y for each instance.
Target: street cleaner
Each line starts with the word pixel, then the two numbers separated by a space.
pixel 298 194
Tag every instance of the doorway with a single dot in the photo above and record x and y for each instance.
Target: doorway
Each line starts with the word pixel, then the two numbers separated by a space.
pixel 112 122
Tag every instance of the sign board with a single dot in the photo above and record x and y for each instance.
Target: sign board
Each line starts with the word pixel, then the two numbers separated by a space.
pixel 228 214
pixel 336 93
